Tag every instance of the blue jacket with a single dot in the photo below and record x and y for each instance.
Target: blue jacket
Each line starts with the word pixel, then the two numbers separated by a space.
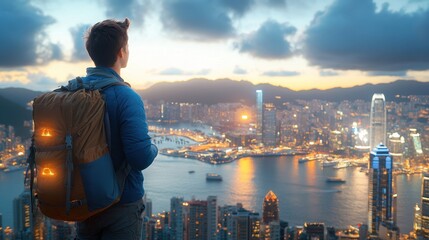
pixel 129 130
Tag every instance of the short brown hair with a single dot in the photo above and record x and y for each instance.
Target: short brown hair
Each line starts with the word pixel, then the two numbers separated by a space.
pixel 105 39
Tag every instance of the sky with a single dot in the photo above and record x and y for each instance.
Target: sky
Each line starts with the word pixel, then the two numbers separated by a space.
pixel 299 44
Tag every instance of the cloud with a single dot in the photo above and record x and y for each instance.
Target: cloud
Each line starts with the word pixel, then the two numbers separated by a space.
pixel 239 71
pixel 135 10
pixel 23 41
pixel 268 42
pixel 328 73
pixel 33 81
pixel 281 73
pixel 277 3
pixel 79 51
pixel 239 7
pixel 196 19
pixel 177 71
pixel 388 73
pixel 354 35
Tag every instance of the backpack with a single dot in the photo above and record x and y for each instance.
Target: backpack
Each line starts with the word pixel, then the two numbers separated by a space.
pixel 72 173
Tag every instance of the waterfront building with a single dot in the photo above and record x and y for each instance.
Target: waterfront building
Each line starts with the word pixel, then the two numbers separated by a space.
pixel 259 115
pixel 377 133
pixel 381 192
pixel 415 145
pixel 212 218
pixel 148 207
pixel 270 208
pixel 244 225
pixel 197 220
pixel 396 146
pixel 417 224
pixel 176 218
pixel 425 205
pixel 363 232
pixel 22 216
pixel 1 226
pixel 269 125
pixel 315 230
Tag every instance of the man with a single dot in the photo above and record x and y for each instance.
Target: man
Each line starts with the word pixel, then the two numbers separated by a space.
pixel 107 45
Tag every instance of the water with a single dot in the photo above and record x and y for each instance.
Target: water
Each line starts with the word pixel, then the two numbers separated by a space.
pixel 301 188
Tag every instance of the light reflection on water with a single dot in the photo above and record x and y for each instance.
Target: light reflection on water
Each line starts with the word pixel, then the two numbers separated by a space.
pixel 301 188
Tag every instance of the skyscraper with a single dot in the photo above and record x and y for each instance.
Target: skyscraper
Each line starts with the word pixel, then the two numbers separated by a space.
pixel 197 220
pixel 259 115
pixel 425 205
pixel 377 132
pixel 211 217
pixel 269 125
pixel 244 225
pixel 270 208
pixel 396 146
pixel 22 216
pixel 176 218
pixel 381 192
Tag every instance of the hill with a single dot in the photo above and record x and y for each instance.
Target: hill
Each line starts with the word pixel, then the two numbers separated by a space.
pixel 20 96
pixel 16 115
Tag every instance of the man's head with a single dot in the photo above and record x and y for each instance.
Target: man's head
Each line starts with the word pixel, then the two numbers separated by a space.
pixel 108 40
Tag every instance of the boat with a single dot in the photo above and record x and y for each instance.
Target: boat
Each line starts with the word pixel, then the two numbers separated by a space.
pixel 213 177
pixel 328 163
pixel 341 165
pixel 303 160
pixel 191 171
pixel 335 180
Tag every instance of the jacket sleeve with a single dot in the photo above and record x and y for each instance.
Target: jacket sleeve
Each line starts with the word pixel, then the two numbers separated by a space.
pixel 138 148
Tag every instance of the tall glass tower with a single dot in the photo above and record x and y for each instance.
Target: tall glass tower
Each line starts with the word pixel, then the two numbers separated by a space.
pixel 259 115
pixel 425 205
pixel 381 190
pixel 377 132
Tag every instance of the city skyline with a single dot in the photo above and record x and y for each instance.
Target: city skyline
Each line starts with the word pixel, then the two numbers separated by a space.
pixel 296 44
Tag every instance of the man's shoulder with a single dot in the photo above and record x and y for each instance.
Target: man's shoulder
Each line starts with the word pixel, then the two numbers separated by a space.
pixel 123 93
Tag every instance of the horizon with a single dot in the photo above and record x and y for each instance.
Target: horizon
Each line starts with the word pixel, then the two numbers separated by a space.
pixel 300 45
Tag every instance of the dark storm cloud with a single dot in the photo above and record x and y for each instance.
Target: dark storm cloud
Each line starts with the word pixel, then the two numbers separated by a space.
pixel 269 41
pixel 353 35
pixel 23 41
pixel 79 50
pixel 388 73
pixel 135 10
pixel 196 19
pixel 281 73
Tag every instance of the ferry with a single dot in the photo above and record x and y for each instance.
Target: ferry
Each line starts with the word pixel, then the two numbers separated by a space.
pixel 328 163
pixel 191 171
pixel 335 180
pixel 213 177
pixel 342 165
pixel 303 160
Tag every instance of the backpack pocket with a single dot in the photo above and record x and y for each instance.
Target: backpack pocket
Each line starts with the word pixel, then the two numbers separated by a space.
pixel 99 181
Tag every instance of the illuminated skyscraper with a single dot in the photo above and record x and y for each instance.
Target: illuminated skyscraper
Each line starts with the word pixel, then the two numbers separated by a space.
pixel 22 216
pixel 425 205
pixel 176 218
pixel 211 217
pixel 269 124
pixel 197 220
pixel 259 115
pixel 270 208
pixel 377 133
pixel 381 192
pixel 396 146
pixel 245 225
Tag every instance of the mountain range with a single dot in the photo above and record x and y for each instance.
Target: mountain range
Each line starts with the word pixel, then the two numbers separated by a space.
pixel 226 90
pixel 14 101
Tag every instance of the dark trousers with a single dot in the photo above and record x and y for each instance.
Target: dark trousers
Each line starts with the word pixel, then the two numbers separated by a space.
pixel 117 222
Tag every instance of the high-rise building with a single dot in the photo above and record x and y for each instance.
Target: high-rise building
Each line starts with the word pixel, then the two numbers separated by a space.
pixel 396 146
pixel 270 208
pixel 176 218
pixel 315 230
pixel 244 225
pixel 148 206
pixel 22 216
pixel 425 205
pixel 417 224
pixel 381 192
pixel 197 220
pixel 269 125
pixel 377 133
pixel 415 143
pixel 1 226
pixel 212 218
pixel 259 115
